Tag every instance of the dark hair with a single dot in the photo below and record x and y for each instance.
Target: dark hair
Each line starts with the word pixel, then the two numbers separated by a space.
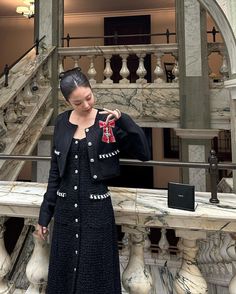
pixel 71 79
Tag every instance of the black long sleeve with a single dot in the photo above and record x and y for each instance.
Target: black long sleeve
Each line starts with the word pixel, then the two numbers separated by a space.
pixel 131 138
pixel 50 197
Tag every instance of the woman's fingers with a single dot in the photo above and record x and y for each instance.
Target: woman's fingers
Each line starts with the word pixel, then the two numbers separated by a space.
pixel 42 231
pixel 111 113
pixel 108 118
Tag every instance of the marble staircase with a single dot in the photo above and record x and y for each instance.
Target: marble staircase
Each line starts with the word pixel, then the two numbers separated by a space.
pixel 25 109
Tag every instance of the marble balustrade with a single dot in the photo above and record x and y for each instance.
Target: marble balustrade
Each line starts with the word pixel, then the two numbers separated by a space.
pixel 203 260
pixel 88 56
pixel 157 53
pixel 25 108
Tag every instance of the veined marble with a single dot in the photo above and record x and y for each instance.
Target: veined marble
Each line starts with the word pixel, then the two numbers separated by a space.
pixel 225 185
pixel 192 38
pixel 156 106
pixel 197 176
pixel 140 207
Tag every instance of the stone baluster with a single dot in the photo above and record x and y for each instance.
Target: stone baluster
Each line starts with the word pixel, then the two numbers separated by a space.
pixel 27 95
pixel 125 242
pixel 20 106
pixel 147 245
pixel 11 116
pixel 76 61
pixel 175 70
pixel 208 252
pixel 164 246
pixel 5 262
pixel 180 249
pixel 46 71
pixel 159 72
pixel 224 70
pixel 212 249
pixel 203 256
pixel 136 277
pixel 213 255
pixel 218 256
pixel 34 89
pixel 3 131
pixel 124 72
pixel 199 257
pixel 60 64
pixel 141 71
pixel 40 78
pixel 2 123
pixel 108 71
pixel 37 267
pixel 92 71
pixel 232 253
pixel 225 241
pixel 189 278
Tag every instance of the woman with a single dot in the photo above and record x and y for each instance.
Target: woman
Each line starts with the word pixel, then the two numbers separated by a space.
pixel 84 255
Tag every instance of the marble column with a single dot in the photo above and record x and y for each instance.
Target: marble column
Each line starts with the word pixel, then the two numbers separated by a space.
pixel 196 148
pixel 51 24
pixel 194 89
pixel 231 85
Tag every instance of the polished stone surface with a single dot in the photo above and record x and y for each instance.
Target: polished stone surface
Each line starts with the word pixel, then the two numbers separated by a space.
pixel 141 207
pixel 192 32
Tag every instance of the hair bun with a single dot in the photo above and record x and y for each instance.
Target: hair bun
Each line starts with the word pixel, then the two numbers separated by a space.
pixel 61 75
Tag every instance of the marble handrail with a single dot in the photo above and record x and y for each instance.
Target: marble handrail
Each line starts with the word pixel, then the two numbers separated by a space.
pixel 120 49
pixel 140 207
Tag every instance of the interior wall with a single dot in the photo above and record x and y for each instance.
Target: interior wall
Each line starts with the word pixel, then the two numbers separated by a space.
pixel 17 36
pixel 162 175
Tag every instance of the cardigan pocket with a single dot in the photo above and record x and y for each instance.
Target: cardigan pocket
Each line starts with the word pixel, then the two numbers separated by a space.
pixel 100 206
pixel 109 163
pixel 62 214
pixel 98 191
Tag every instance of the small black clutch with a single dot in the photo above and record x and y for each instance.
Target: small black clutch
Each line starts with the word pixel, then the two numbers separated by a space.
pixel 181 196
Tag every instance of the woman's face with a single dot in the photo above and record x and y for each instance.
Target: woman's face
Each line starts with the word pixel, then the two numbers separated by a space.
pixel 82 99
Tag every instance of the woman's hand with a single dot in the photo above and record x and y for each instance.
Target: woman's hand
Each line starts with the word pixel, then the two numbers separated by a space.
pixel 112 114
pixel 42 232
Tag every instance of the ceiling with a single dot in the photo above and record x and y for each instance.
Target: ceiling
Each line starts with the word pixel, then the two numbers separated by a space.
pixel 8 7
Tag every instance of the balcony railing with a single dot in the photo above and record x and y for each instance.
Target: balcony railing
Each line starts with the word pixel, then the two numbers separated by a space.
pixel 164 62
